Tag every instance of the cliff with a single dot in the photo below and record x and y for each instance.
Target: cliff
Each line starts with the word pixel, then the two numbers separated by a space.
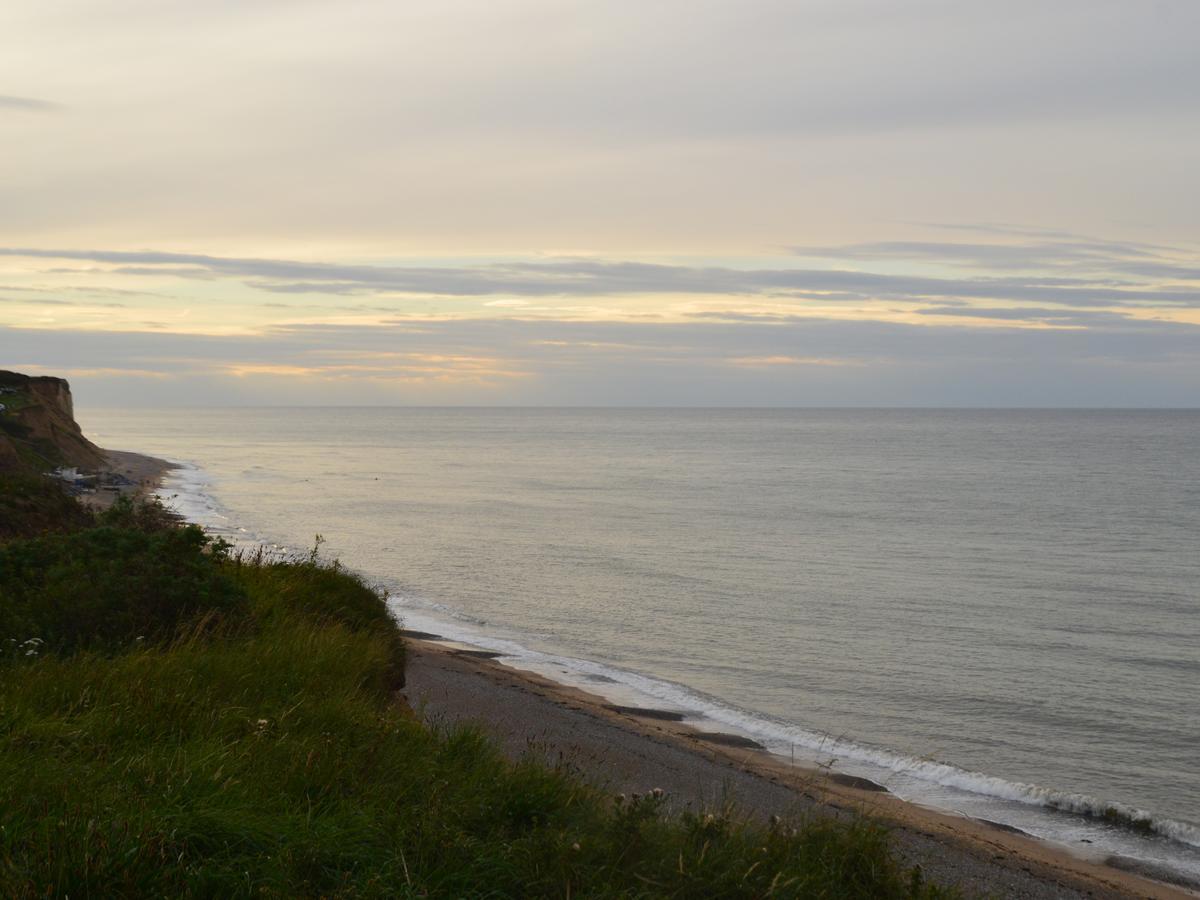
pixel 38 431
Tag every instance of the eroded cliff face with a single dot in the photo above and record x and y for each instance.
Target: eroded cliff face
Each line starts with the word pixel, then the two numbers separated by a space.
pixel 55 394
pixel 38 431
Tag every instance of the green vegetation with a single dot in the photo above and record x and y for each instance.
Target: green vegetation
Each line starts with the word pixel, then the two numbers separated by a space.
pixel 32 505
pixel 35 454
pixel 107 586
pixel 15 401
pixel 175 721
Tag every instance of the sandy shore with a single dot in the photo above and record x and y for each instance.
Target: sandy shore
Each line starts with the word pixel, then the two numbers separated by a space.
pixel 145 474
pixel 630 750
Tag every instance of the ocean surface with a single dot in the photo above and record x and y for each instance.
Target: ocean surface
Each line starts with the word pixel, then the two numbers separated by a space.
pixel 995 612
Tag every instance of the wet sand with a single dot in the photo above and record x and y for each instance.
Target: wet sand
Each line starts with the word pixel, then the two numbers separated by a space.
pixel 629 749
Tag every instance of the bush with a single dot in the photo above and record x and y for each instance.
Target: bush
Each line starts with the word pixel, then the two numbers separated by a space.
pixel 109 586
pixel 142 514
pixel 32 505
pixel 308 589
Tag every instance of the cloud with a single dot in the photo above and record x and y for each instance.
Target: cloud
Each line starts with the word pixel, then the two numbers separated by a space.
pixel 767 121
pixel 27 104
pixel 806 362
pixel 587 277
pixel 1060 317
pixel 1061 251
pixel 755 362
pixel 72 304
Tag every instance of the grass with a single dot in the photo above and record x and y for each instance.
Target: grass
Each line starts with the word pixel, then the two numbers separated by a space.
pixel 254 746
pixel 14 402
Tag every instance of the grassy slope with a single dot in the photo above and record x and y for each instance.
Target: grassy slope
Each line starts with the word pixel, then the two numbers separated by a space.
pixel 256 748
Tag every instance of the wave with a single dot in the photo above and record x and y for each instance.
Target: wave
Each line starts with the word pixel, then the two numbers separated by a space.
pixel 782 737
pixel 947 775
pixel 778 735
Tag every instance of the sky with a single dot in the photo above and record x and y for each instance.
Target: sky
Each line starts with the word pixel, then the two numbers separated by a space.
pixel 660 202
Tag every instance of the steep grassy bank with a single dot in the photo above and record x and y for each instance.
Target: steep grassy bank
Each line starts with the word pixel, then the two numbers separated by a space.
pixel 229 727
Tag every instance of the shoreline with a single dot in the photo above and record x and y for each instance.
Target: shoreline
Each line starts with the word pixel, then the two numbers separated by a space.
pixel 452 684
pixel 145 474
pixel 982 857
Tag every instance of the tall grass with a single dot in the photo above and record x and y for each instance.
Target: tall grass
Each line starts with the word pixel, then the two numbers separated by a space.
pixel 265 754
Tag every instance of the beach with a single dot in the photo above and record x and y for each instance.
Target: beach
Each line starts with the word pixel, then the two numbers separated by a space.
pixel 144 473
pixel 627 750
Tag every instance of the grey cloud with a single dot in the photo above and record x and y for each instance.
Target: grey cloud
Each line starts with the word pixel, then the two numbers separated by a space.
pixel 628 363
pixel 1165 270
pixel 790 71
pixel 795 69
pixel 165 271
pixel 590 277
pixel 1016 229
pixel 341 288
pixel 27 104
pixel 1049 316
pixel 46 301
pixel 36 301
pixel 593 135
pixel 1075 253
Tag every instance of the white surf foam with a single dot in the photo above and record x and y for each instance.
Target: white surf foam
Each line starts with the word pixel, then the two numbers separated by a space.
pixel 785 738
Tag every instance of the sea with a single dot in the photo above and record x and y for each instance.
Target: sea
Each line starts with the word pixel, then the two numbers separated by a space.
pixel 990 612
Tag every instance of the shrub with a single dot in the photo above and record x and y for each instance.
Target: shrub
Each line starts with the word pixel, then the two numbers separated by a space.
pixel 142 514
pixel 31 505
pixel 308 589
pixel 107 586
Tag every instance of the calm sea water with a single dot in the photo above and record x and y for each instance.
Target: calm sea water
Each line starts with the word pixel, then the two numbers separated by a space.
pixel 992 611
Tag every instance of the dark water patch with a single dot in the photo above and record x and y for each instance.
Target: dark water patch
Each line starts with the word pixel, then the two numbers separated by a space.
pixel 1002 826
pixel 478 654
pixel 729 740
pixel 854 781
pixel 646 712
pixel 421 635
pixel 602 679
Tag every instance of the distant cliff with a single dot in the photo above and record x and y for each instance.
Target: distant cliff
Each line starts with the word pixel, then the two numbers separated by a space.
pixel 38 431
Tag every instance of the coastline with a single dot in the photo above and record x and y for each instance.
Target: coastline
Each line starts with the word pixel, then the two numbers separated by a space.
pixel 636 749
pixel 627 749
pixel 145 474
